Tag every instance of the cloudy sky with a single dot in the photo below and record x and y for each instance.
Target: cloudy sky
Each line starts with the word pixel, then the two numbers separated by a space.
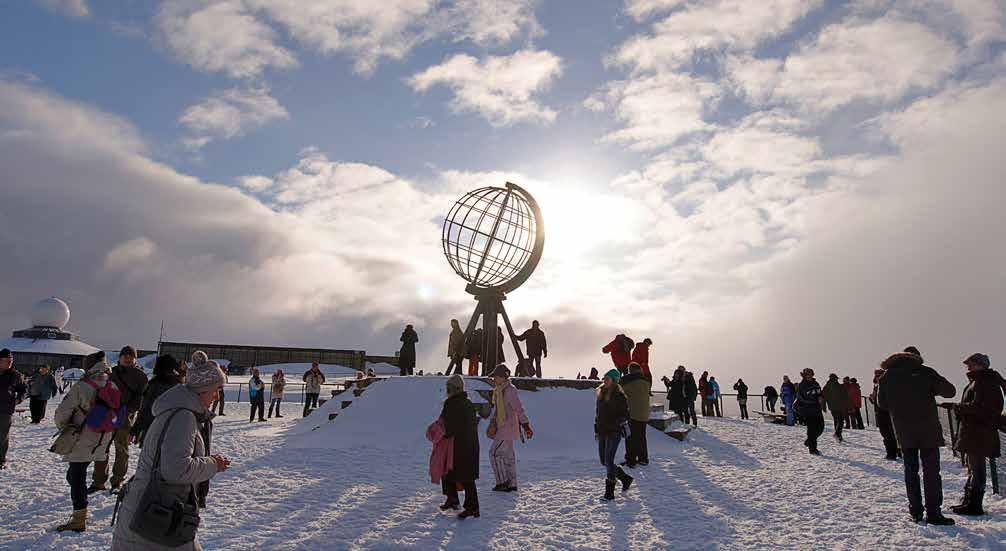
pixel 757 186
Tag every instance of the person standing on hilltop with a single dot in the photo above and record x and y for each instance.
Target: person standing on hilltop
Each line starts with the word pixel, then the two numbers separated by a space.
pixel 455 348
pixel 980 412
pixel 407 354
pixel 676 393
pixel 473 350
pixel 620 349
pixel 609 426
pixel 507 423
pixel 691 393
pixel 883 418
pixel 742 397
pixel 313 380
pixel 855 404
pixel 641 356
pixel 908 390
pixel 787 393
pixel 808 402
pixel 537 346
pixel 836 398
pixel 771 396
pixel 704 392
pixel 713 388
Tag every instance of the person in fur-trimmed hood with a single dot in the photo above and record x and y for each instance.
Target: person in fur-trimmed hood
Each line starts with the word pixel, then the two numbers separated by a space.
pixel 980 412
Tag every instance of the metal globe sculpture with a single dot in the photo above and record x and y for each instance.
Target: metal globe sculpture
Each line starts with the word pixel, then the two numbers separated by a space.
pixel 493 238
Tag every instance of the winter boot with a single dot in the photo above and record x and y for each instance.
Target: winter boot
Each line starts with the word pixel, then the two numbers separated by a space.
pixel 77 522
pixel 468 513
pixel 95 488
pixel 452 504
pixel 609 489
pixel 965 503
pixel 974 506
pixel 937 519
pixel 625 479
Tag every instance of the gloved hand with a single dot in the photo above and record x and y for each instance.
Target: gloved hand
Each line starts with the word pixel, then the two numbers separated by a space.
pixel 527 430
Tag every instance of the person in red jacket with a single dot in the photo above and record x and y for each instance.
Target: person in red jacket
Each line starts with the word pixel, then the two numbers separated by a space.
pixel 621 352
pixel 641 356
pixel 855 418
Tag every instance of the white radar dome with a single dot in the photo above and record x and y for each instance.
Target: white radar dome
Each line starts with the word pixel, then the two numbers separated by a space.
pixel 50 312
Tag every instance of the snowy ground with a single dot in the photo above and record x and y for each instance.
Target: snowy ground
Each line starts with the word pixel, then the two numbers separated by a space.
pixel 360 482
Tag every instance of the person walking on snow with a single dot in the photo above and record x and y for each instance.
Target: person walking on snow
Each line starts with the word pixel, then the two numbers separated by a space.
pixel 691 393
pixel 742 397
pixel 609 427
pixel 980 412
pixel 620 349
pixel 704 392
pixel 787 393
pixel 637 392
pixel 855 404
pixel 132 383
pixel 808 402
pixel 313 379
pixel 771 396
pixel 537 347
pixel 505 425
pixel 461 424
pixel 836 398
pixel 12 392
pixel 41 388
pixel 641 356
pixel 256 395
pixel 276 398
pixel 455 348
pixel 407 354
pixel 908 390
pixel 714 397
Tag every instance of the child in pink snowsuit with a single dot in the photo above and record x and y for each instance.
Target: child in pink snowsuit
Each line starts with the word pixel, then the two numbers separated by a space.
pixel 506 422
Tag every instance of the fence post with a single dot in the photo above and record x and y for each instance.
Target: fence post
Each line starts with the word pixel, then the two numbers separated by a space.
pixel 239 392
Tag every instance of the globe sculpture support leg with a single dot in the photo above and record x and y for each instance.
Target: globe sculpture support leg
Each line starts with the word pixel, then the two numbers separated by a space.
pixel 489 307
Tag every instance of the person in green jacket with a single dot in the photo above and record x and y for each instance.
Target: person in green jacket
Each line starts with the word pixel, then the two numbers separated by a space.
pixel 637 390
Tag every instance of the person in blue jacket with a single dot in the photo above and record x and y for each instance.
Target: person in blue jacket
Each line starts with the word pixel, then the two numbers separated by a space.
pixel 714 397
pixel 787 393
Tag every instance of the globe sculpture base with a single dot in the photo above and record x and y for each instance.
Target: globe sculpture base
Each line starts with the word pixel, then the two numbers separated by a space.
pixel 489 309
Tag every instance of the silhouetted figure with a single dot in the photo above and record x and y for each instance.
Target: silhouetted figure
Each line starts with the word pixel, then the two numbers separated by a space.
pixel 593 374
pixel 980 412
pixel 676 393
pixel 713 388
pixel 637 391
pixel 537 346
pixel 473 351
pixel 836 398
pixel 407 354
pixel 787 393
pixel 620 349
pixel 704 392
pixel 883 418
pixel 808 402
pixel 854 420
pixel 742 397
pixel 691 393
pixel 771 396
pixel 455 348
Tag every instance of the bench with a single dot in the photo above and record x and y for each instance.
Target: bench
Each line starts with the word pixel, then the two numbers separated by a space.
pixel 774 418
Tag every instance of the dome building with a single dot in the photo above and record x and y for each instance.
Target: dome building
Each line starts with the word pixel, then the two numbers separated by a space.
pixel 46 343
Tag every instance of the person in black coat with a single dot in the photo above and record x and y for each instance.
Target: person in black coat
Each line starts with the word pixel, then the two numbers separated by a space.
pixel 691 393
pixel 166 375
pixel 771 395
pixel 609 427
pixel 676 393
pixel 460 423
pixel 742 397
pixel 407 354
pixel 536 347
pixel 980 412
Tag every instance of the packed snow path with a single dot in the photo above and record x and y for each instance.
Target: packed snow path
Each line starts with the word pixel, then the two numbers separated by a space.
pixel 731 485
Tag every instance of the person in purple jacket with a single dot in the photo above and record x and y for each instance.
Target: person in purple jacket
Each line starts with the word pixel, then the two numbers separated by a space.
pixel 505 425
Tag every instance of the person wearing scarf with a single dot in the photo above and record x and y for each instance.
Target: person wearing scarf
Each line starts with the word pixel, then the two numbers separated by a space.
pixel 505 426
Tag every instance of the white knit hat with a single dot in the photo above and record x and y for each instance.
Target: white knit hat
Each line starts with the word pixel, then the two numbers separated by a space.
pixel 199 357
pixel 204 376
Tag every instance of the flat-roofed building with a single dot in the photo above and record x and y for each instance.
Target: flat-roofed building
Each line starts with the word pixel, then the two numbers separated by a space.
pixel 242 357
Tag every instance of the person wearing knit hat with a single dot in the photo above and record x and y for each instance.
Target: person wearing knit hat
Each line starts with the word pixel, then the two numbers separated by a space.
pixel 461 424
pixel 91 359
pixel 507 423
pixel 132 383
pixel 609 426
pixel 205 376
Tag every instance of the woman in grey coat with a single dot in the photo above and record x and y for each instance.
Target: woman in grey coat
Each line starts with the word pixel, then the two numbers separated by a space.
pixel 186 465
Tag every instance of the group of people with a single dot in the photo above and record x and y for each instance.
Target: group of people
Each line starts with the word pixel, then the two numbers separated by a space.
pixel 460 348
pixel 683 390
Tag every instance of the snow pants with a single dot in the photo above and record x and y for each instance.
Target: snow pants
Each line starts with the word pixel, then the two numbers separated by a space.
pixel 975 485
pixel 887 432
pixel 310 401
pixel 788 404
pixel 607 448
pixel 36 406
pixel 635 444
pixel 76 477
pixel 815 427
pixel 504 462
pixel 931 479
pixel 121 440
pixel 770 404
pixel 534 363
pixel 5 423
pixel 838 417
pixel 855 419
pixel 742 404
pixel 690 412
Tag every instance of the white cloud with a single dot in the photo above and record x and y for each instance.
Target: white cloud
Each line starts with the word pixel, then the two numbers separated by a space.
pixel 501 89
pixel 757 146
pixel 230 113
pixel 71 8
pixel 641 9
pixel 221 36
pixel 756 79
pixel 256 183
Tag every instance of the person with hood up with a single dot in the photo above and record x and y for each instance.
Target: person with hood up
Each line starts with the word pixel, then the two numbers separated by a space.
pixel 92 442
pixel 713 388
pixel 787 393
pixel 691 393
pixel 256 395
pixel 131 381
pixel 407 354
pixel 641 356
pixel 455 348
pixel 276 397
pixel 178 450
pixel 836 398
pixel 537 347
pixel 609 427
pixel 908 390
pixel 461 424
pixel 704 392
pixel 771 396
pixel 41 388
pixel 620 349
pixel 12 392
pixel 313 379
pixel 166 375
pixel 676 393
pixel 742 397
pixel 855 418
pixel 637 391
pixel 980 412
pixel 808 402
pixel 506 423
pixel 593 374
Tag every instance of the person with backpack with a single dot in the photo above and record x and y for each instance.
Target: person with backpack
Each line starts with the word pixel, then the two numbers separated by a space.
pixel 691 393
pixel 507 423
pixel 12 392
pixel 836 398
pixel 276 398
pixel 89 416
pixel 714 397
pixel 178 464
pixel 787 393
pixel 313 379
pixel 537 346
pixel 455 348
pixel 166 375
pixel 256 395
pixel 132 383
pixel 609 428
pixel 637 392
pixel 620 349
pixel 980 412
pixel 407 354
pixel 771 396
pixel 41 388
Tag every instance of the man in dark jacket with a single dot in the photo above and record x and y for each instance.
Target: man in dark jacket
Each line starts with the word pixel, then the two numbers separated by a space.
pixel 536 347
pixel 884 424
pixel 980 412
pixel 407 354
pixel 808 403
pixel 12 391
pixel 461 424
pixel 691 393
pixel 742 397
pixel 771 395
pixel 908 390
pixel 637 393
pixel 41 387
pixel 836 398
pixel 132 383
